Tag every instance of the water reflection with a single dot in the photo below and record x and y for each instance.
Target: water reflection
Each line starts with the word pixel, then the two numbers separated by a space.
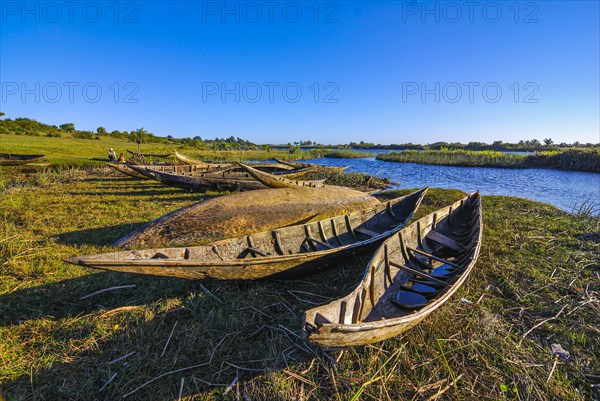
pixel 564 189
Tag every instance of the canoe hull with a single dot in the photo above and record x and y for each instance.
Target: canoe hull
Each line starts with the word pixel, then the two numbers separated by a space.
pixel 283 252
pixel 361 315
pixel 9 159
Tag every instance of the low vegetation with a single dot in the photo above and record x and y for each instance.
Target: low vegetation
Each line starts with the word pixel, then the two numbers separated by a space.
pixel 67 332
pixel 572 159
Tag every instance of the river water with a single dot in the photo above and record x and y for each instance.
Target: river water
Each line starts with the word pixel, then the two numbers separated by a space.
pixel 565 189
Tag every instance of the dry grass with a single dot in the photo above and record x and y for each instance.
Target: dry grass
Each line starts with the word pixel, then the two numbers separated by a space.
pixel 170 339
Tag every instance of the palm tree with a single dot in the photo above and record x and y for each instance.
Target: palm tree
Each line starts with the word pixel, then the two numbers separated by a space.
pixel 140 132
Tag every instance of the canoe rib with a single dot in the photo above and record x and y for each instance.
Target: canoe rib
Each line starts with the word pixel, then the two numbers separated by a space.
pixel 283 248
pixel 393 270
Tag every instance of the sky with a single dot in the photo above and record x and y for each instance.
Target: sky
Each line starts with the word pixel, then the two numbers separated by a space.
pixel 284 71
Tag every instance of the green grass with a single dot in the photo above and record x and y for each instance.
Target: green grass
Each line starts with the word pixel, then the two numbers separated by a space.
pixel 573 159
pixel 68 151
pixel 55 345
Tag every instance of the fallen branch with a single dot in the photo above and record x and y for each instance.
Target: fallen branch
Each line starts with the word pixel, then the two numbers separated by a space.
pixel 541 323
pixel 119 287
pixel 166 374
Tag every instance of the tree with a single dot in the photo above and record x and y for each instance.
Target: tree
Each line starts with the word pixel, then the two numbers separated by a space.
pixel 68 127
pixel 2 114
pixel 101 130
pixel 140 133
pixel 548 141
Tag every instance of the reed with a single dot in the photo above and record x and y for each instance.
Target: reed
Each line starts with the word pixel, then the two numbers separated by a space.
pixel 573 159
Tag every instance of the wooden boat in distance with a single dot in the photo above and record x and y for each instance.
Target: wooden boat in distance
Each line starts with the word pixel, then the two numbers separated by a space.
pixel 410 275
pixel 286 251
pixel 193 162
pixel 125 169
pixel 206 181
pixel 310 166
pixel 160 156
pixel 279 181
pixel 11 159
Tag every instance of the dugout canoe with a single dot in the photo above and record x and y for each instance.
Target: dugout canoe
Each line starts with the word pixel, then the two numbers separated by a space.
pixel 410 275
pixel 205 182
pixel 286 251
pixel 160 156
pixel 124 169
pixel 311 166
pixel 193 162
pixel 279 181
pixel 12 159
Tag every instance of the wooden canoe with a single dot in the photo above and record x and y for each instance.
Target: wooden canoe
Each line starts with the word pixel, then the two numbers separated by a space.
pixel 286 251
pixel 124 169
pixel 279 181
pixel 410 275
pixel 206 181
pixel 160 156
pixel 11 159
pixel 193 162
pixel 311 166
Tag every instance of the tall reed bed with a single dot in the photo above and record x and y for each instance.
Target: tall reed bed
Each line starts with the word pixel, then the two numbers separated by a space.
pixel 572 159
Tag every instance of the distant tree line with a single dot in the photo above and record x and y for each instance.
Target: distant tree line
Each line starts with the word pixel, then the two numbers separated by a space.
pixel 26 126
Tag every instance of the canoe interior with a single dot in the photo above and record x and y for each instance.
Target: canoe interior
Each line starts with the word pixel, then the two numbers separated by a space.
pixel 430 258
pixel 286 246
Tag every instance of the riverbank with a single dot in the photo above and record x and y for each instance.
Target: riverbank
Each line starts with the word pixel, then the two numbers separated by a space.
pixel 571 160
pixel 534 285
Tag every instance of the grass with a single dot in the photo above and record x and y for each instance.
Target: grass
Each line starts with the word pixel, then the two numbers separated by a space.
pixel 68 151
pixel 573 159
pixel 535 284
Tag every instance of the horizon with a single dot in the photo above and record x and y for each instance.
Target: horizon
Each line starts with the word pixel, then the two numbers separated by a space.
pixel 331 72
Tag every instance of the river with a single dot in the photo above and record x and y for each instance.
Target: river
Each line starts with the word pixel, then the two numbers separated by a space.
pixel 567 190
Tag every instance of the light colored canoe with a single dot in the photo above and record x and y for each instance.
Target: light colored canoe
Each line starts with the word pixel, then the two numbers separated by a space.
pixel 192 162
pixel 279 181
pixel 160 156
pixel 410 275
pixel 287 251
pixel 11 159
pixel 124 169
pixel 244 213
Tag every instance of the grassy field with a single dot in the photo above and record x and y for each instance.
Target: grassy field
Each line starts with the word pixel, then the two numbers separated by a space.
pixel 535 284
pixel 573 159
pixel 68 151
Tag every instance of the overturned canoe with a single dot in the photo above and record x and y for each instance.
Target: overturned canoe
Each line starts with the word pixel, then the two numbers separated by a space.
pixel 410 275
pixel 244 213
pixel 287 251
pixel 124 169
pixel 279 181
pixel 11 159
pixel 206 181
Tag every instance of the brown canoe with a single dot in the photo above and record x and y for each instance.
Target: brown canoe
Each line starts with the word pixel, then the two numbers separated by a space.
pixel 411 274
pixel 279 181
pixel 206 181
pixel 288 251
pixel 11 159
pixel 124 169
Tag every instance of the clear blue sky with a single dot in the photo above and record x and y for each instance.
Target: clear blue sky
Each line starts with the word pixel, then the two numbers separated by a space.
pixel 383 72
